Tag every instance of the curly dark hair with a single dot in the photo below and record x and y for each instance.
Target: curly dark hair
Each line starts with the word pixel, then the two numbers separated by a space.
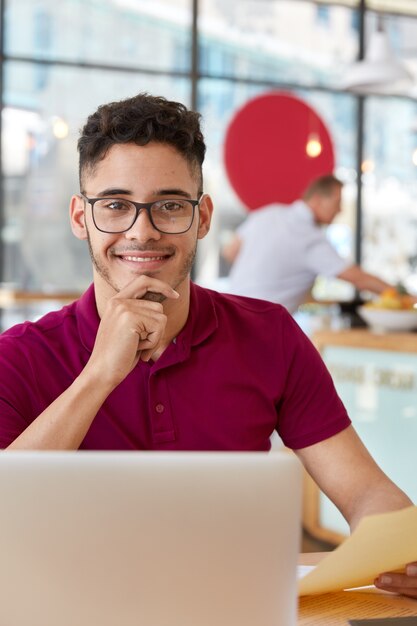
pixel 140 120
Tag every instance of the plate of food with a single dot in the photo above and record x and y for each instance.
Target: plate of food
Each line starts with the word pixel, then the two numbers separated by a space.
pixel 392 311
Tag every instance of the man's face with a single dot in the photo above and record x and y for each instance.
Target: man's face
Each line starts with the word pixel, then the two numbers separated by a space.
pixel 142 174
pixel 327 207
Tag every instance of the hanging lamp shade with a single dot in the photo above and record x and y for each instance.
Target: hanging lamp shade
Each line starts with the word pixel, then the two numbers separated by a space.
pixel 380 71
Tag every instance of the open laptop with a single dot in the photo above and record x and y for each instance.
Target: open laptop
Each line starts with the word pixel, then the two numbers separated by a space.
pixel 148 539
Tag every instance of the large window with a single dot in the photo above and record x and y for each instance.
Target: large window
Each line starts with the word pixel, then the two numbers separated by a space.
pixel 40 132
pixel 153 35
pixel 390 190
pixel 276 40
pixel 63 59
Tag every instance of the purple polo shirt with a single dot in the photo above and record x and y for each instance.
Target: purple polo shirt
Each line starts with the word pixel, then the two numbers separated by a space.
pixel 239 369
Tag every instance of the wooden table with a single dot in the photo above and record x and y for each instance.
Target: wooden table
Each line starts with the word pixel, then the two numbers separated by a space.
pixel 336 609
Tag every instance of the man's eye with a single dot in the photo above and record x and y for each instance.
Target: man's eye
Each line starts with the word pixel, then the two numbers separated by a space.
pixel 171 206
pixel 116 205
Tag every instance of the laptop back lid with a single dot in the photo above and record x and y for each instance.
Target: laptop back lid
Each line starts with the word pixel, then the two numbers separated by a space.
pixel 149 539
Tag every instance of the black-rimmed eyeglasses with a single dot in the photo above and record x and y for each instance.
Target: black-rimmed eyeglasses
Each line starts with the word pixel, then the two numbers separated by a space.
pixel 117 215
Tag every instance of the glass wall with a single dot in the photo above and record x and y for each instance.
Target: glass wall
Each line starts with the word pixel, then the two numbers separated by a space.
pixel 41 166
pixel 389 231
pixel 127 33
pixel 63 59
pixel 390 190
pixel 276 40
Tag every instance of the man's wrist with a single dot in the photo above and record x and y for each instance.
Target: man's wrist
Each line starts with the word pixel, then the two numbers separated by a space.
pixel 95 380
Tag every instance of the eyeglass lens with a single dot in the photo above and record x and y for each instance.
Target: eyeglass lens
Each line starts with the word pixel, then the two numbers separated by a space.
pixel 117 215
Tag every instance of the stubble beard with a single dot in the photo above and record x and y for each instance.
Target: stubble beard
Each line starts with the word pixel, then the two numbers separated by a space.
pixel 153 296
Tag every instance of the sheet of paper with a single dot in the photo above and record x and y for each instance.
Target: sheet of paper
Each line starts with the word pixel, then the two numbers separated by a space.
pixel 302 570
pixel 336 609
pixel 380 543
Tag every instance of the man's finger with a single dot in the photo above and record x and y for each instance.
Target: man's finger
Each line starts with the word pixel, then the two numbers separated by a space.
pixel 411 569
pixel 397 583
pixel 145 355
pixel 140 286
pixel 410 592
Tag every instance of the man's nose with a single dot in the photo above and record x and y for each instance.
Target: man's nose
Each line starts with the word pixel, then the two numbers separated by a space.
pixel 142 229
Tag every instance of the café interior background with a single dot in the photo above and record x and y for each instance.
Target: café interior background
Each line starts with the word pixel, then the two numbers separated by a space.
pixel 60 60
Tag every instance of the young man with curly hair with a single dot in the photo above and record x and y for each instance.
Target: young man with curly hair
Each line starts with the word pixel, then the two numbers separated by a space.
pixel 146 359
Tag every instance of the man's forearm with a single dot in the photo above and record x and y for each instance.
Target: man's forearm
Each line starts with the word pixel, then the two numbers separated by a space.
pixel 387 497
pixel 363 281
pixel 64 423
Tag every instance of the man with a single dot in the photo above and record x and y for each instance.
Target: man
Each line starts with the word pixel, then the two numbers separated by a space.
pixel 147 360
pixel 279 251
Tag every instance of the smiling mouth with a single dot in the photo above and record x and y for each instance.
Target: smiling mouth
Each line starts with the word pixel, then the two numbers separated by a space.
pixel 142 256
pixel 143 259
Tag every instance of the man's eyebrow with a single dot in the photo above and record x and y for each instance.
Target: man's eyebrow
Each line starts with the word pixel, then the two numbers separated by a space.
pixel 172 191
pixel 114 191
pixel 117 191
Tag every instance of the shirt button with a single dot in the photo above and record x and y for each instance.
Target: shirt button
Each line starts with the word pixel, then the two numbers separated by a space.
pixel 159 408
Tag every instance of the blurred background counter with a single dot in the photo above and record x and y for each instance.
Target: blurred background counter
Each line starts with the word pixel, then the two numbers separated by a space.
pixel 376 377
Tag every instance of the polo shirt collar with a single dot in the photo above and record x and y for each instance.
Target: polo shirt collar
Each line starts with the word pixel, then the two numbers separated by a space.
pixel 87 317
pixel 202 320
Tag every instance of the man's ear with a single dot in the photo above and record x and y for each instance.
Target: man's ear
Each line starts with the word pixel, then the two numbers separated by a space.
pixel 77 217
pixel 205 213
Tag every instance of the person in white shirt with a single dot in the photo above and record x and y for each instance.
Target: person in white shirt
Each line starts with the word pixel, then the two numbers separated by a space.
pixel 279 250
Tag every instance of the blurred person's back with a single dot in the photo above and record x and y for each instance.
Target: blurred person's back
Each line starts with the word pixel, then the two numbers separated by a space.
pixel 274 268
pixel 278 251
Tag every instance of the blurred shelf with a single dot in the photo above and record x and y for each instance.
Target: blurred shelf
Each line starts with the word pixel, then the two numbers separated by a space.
pixel 11 297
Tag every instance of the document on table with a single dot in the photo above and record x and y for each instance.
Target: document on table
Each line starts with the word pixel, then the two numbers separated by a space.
pixel 380 543
pixel 336 609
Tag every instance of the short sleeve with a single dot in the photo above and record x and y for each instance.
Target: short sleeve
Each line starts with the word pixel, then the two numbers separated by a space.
pixel 243 228
pixel 323 259
pixel 310 409
pixel 17 393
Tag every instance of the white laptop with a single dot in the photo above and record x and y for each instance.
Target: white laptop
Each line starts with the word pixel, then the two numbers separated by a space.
pixel 148 539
